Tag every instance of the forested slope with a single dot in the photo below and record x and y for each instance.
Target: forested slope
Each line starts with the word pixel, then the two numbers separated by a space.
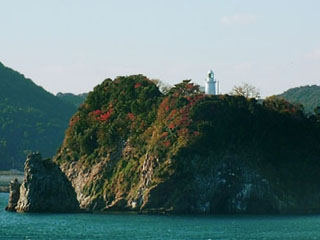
pixel 308 96
pixel 31 119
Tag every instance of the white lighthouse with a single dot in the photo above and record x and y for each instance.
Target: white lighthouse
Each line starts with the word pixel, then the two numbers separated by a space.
pixel 211 84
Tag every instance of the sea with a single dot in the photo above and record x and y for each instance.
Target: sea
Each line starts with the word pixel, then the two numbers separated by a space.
pixel 129 226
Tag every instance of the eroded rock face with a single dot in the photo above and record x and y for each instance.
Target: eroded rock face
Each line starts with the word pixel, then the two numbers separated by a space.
pixel 45 188
pixel 233 187
pixel 14 188
pixel 80 177
pixel 229 186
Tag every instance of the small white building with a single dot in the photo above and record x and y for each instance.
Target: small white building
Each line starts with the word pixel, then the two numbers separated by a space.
pixel 211 84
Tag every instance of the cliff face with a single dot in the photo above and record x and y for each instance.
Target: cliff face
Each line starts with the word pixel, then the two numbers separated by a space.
pixel 130 148
pixel 44 189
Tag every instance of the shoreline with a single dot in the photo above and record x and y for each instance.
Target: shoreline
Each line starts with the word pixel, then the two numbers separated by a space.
pixel 4 189
pixel 6 177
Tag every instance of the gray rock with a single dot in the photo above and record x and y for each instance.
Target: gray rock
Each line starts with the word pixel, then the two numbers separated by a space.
pixel 14 188
pixel 45 188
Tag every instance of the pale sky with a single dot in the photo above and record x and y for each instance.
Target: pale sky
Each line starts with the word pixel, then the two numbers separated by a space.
pixel 73 45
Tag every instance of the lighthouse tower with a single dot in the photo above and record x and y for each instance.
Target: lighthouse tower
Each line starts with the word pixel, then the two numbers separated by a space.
pixel 211 84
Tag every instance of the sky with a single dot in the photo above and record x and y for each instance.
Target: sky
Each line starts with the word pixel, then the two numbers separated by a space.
pixel 73 45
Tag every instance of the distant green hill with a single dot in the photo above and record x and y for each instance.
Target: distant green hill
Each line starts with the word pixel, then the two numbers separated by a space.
pixel 74 99
pixel 308 96
pixel 31 119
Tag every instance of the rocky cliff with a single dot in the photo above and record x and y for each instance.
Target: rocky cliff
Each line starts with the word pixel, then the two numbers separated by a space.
pixel 14 189
pixel 131 148
pixel 44 189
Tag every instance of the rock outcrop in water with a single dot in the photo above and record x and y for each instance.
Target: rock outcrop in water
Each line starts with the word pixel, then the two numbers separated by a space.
pixel 44 189
pixel 14 188
pixel 131 148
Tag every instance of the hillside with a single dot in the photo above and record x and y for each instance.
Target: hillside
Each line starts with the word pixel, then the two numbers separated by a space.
pixel 308 96
pixel 129 147
pixel 74 99
pixel 31 119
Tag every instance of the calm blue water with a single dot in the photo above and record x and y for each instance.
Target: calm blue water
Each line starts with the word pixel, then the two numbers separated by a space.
pixel 98 226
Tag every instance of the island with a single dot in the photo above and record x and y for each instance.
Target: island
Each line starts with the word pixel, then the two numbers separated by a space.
pixel 131 147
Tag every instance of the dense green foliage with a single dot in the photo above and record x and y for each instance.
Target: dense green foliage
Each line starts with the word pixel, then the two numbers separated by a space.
pixel 282 141
pixel 114 111
pixel 74 99
pixel 31 119
pixel 308 96
pixel 276 137
pixel 134 131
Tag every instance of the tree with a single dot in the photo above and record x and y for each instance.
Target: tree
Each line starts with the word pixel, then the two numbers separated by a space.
pixel 281 105
pixel 246 90
pixel 185 88
pixel 163 87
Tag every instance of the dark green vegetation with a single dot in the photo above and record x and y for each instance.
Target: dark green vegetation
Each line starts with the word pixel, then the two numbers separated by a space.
pixel 31 119
pixel 131 147
pixel 308 96
pixel 113 112
pixel 74 99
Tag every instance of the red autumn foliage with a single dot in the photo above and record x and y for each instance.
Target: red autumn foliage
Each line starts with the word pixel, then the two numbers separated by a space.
pixel 162 107
pixel 97 112
pixel 164 134
pixel 167 143
pixel 183 132
pixel 137 85
pixel 173 113
pixel 104 117
pixel 178 119
pixel 131 116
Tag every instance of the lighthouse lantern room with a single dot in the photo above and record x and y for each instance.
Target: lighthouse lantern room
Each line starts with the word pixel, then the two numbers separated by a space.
pixel 211 84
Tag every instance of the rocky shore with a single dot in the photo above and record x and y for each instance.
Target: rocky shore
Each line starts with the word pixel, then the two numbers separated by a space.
pixel 4 189
pixel 44 189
